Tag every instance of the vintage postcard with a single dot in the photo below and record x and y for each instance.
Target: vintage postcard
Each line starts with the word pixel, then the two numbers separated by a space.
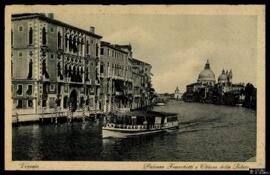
pixel 134 87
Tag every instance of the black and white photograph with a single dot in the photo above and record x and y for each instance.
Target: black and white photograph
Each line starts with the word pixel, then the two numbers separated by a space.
pixel 135 87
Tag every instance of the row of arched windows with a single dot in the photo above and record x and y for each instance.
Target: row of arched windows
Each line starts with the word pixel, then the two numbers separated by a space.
pixel 73 43
pixel 74 72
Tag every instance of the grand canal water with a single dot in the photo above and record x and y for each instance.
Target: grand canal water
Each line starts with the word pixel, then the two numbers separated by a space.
pixel 207 133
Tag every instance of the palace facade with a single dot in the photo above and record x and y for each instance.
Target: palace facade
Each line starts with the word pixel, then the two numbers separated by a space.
pixel 59 68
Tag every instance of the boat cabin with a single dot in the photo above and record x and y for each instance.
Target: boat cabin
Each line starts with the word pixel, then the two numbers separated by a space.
pixel 140 120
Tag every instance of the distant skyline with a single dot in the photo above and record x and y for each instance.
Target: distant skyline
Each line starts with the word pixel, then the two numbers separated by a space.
pixel 177 46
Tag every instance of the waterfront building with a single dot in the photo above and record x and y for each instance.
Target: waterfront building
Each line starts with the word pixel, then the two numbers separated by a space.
pixel 116 78
pixel 141 74
pixel 55 66
pixel 59 69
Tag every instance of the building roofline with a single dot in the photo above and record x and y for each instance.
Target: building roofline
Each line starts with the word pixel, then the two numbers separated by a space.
pixel 128 46
pixel 137 60
pixel 105 43
pixel 192 84
pixel 40 16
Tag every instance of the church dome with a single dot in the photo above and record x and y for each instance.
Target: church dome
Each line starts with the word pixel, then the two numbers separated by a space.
pixel 223 77
pixel 207 74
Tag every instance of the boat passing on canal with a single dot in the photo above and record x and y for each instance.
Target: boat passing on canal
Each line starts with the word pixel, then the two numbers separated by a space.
pixel 138 123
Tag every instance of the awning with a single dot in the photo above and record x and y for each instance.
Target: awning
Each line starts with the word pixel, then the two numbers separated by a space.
pixel 145 113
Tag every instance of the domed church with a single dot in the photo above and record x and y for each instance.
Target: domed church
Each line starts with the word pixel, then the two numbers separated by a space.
pixel 206 81
pixel 207 76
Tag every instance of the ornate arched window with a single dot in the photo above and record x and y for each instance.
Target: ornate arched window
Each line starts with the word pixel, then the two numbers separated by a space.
pixel 65 102
pixel 70 43
pixel 59 40
pixel 96 49
pixel 81 102
pixel 81 69
pixel 44 69
pixel 30 36
pixel 66 70
pixel 44 41
pixel 77 70
pixel 87 47
pixel 82 45
pixel 66 41
pixel 59 70
pixel 69 71
pixel 30 70
pixel 75 44
pixel 11 37
pixel 86 74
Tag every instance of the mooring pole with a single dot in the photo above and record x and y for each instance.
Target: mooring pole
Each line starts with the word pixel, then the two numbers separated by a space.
pixel 55 109
pixel 69 114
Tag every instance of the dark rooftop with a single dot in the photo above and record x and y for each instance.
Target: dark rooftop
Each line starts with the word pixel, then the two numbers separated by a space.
pixel 139 61
pixel 115 47
pixel 50 20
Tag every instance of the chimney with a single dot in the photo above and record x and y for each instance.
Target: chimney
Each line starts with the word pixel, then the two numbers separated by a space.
pixel 51 15
pixel 92 29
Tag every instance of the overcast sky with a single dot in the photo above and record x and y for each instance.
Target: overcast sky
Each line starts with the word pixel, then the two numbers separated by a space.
pixel 177 46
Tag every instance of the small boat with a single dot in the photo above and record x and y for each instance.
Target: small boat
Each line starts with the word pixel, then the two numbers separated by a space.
pixel 134 123
pixel 160 104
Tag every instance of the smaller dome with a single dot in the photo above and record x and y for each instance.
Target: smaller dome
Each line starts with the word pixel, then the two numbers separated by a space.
pixel 223 76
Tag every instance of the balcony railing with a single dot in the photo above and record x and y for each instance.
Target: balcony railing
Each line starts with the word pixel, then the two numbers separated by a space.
pixel 136 95
pixel 88 82
pixel 118 93
pixel 59 79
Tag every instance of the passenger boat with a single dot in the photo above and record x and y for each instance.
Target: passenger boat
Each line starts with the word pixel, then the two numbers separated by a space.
pixel 133 123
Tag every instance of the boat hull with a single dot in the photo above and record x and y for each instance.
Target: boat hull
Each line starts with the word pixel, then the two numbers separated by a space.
pixel 122 134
